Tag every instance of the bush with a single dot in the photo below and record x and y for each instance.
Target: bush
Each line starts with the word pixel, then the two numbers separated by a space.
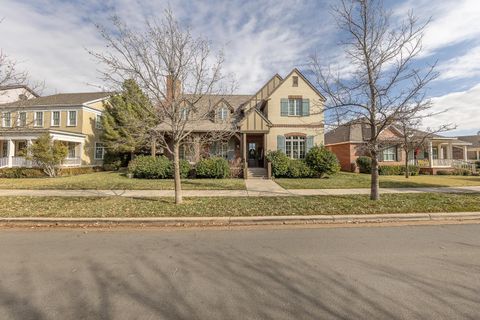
pixel 185 169
pixel 477 163
pixel 215 167
pixel 280 163
pixel 390 170
pixel 322 161
pixel 21 173
pixel 364 164
pixel 444 173
pixel 299 169
pixel 47 153
pixel 75 171
pixel 114 161
pixel 461 172
pixel 148 167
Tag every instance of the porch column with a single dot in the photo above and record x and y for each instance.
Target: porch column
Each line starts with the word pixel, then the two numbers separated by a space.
pixel 449 151
pixel 440 151
pixel 244 146
pixel 430 153
pixel 80 153
pixel 29 144
pixel 465 153
pixel 478 155
pixel 10 152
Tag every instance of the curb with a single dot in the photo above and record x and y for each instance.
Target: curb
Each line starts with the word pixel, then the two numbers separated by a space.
pixel 245 221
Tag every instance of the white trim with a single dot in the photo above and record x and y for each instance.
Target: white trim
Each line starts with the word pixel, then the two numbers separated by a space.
pixel 95 151
pixel 18 119
pixel 97 100
pixel 59 118
pixel 69 124
pixel 3 119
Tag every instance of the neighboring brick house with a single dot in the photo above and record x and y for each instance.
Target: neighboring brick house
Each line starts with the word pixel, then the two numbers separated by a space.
pixel 440 153
pixel 73 118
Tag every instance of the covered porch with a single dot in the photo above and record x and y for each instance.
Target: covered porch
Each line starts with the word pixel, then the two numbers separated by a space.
pixel 13 150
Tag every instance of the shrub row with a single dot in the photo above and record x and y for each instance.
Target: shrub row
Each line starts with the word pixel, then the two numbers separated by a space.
pixel 318 162
pixel 147 167
pixel 455 172
pixel 38 173
pixel 365 166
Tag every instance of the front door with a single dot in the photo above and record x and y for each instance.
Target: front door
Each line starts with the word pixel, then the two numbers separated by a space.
pixel 255 152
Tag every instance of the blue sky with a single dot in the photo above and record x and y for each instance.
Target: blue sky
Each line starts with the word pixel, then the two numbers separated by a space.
pixel 260 38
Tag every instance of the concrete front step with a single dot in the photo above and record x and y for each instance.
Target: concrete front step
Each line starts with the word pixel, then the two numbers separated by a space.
pixel 257 173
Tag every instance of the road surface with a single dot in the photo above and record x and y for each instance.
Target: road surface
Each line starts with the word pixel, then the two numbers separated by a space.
pixel 409 272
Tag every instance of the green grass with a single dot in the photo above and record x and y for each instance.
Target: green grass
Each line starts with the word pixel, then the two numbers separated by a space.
pixel 345 180
pixel 118 181
pixel 242 206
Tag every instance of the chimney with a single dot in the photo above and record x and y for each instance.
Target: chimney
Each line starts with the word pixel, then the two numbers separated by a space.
pixel 174 87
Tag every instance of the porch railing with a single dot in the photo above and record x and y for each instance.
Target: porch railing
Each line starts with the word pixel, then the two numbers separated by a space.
pixel 23 162
pixel 71 162
pixel 3 162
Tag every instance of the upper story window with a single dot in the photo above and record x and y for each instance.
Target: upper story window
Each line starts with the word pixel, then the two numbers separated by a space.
pixel 72 118
pixel 38 119
pixel 295 81
pixel 184 113
pixel 55 118
pixel 294 107
pixel 222 113
pixel 22 119
pixel 98 122
pixel 6 119
pixel 390 154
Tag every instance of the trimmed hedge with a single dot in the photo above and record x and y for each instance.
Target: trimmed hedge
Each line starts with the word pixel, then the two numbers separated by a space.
pixel 280 163
pixel 214 168
pixel 147 167
pixel 322 161
pixel 364 164
pixel 398 170
pixel 38 173
pixel 299 169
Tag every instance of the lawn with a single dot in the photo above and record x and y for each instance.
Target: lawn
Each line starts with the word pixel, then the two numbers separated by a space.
pixel 345 180
pixel 118 181
pixel 242 206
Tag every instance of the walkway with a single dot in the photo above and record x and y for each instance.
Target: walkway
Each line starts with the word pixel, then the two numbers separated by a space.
pixel 255 188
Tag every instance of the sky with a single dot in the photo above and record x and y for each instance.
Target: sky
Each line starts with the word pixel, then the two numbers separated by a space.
pixel 50 39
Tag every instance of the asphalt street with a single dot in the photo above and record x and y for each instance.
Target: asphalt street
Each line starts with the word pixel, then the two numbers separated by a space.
pixel 408 272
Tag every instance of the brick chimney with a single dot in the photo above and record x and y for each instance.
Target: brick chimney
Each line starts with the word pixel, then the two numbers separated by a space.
pixel 173 87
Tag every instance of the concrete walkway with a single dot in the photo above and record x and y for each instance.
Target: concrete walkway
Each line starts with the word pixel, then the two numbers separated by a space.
pixel 255 188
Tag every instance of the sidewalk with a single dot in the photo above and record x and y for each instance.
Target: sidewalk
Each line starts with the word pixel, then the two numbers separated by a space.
pixel 255 188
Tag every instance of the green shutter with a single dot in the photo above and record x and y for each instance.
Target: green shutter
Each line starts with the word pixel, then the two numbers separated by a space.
pixel 284 108
pixel 306 107
pixel 281 143
pixel 309 143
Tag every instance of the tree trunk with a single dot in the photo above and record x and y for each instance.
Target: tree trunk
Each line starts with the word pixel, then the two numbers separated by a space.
pixel 176 175
pixel 374 186
pixel 407 173
pixel 154 148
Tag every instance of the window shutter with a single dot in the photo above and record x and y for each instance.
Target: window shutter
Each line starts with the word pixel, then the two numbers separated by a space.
pixel 305 107
pixel 281 143
pixel 284 107
pixel 309 143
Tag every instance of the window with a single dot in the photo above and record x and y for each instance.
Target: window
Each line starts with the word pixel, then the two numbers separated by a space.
pixel 222 113
pixel 390 154
pixel 295 81
pixel 294 107
pixel 184 113
pixel 220 149
pixel 22 119
pixel 186 151
pixel 98 122
pixel 99 151
pixel 7 119
pixel 71 150
pixel 295 147
pixel 72 118
pixel 55 118
pixel 38 119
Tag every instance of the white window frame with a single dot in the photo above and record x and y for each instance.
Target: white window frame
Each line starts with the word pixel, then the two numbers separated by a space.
pixel 74 150
pixel 295 107
pixel 4 119
pixel 95 151
pixel 298 151
pixel 392 155
pixel 184 113
pixel 59 118
pixel 69 124
pixel 98 121
pixel 222 113
pixel 19 119
pixel 35 118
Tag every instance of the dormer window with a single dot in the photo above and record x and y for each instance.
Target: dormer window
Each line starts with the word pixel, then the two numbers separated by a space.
pixel 222 113
pixel 294 81
pixel 184 113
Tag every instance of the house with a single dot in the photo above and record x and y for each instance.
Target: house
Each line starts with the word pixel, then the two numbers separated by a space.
pixel 473 151
pixel 285 114
pixel 73 118
pixel 438 153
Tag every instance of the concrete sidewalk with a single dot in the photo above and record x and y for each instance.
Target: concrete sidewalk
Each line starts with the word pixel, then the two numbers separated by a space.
pixel 255 188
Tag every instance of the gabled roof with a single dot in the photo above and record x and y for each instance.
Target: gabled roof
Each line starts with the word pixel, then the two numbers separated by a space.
pixel 474 140
pixel 19 86
pixel 63 99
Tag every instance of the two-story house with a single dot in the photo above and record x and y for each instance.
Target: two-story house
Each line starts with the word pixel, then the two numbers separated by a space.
pixel 285 114
pixel 74 118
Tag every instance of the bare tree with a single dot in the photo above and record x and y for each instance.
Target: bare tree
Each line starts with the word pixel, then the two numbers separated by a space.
pixel 385 85
pixel 179 74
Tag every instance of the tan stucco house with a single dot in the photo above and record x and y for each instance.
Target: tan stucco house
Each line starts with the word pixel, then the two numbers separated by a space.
pixel 438 153
pixel 284 114
pixel 73 118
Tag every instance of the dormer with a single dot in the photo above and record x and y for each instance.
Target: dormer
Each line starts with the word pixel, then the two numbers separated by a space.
pixel 223 111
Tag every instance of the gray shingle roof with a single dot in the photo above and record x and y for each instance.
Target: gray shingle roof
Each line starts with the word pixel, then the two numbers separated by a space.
pixel 62 99
pixel 474 140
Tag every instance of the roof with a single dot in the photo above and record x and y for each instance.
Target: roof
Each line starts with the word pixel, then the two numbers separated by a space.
pixel 63 99
pixel 19 86
pixel 474 140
